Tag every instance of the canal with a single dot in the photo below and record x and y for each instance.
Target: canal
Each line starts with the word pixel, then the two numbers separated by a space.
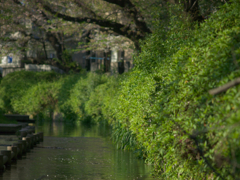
pixel 73 151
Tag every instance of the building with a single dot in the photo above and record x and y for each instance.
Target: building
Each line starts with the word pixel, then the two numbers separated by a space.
pixel 39 51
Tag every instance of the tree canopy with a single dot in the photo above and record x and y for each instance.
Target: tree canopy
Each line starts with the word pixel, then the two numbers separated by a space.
pixel 124 20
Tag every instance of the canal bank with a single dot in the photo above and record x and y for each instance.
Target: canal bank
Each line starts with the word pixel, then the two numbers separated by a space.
pixel 71 151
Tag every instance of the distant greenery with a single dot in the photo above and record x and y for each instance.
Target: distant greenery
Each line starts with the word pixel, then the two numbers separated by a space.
pixel 7 121
pixel 4 120
pixel 162 108
pixel 15 85
pixel 43 93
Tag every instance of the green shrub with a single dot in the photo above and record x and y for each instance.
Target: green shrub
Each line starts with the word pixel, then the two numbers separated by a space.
pixel 40 98
pixel 187 133
pixel 82 90
pixel 14 85
pixel 100 97
pixel 66 85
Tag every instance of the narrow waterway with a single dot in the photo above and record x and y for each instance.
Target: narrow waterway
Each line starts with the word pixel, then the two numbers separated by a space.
pixel 72 151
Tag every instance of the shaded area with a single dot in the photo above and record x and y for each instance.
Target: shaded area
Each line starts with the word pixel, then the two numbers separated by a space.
pixel 64 155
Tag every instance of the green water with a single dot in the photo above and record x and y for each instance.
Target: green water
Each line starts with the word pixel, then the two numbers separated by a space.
pixel 73 151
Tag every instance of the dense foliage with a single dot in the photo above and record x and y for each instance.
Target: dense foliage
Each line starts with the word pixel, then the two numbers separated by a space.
pixel 15 85
pixel 162 109
pixel 186 132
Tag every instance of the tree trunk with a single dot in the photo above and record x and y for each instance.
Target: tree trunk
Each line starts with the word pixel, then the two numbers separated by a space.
pixel 58 47
pixel 23 50
pixel 121 67
pixel 137 46
pixel 88 61
pixel 44 48
pixel 107 61
pixel 192 7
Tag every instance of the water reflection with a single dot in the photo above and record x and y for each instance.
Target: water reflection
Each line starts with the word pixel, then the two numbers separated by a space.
pixel 71 151
pixel 74 129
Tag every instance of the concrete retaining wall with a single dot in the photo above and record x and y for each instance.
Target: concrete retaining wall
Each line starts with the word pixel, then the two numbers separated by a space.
pixel 8 68
pixel 16 146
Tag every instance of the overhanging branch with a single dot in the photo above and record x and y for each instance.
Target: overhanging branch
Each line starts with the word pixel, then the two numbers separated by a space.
pixel 118 28
pixel 225 87
pixel 133 12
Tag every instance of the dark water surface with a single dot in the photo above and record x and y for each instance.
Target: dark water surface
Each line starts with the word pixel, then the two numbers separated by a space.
pixel 71 151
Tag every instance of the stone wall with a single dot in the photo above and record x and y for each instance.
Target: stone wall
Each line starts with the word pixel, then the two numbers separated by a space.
pixel 8 68
pixel 43 67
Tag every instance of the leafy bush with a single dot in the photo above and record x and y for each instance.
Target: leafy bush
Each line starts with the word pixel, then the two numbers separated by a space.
pixel 82 90
pixel 40 98
pixel 14 86
pixel 44 93
pixel 101 97
pixel 187 133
